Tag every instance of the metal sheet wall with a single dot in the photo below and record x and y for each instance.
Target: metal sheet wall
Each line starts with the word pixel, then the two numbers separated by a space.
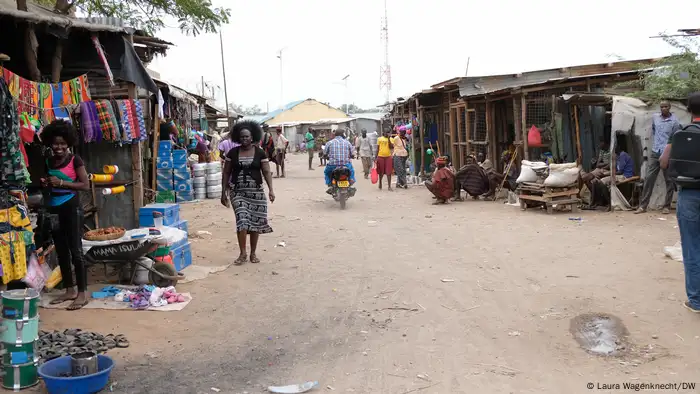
pixel 118 209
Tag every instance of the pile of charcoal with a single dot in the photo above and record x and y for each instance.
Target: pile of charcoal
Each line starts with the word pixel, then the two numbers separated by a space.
pixel 53 344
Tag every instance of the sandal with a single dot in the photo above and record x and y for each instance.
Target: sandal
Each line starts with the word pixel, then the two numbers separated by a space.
pixel 62 299
pixel 240 260
pixel 122 342
pixel 77 305
pixel 254 259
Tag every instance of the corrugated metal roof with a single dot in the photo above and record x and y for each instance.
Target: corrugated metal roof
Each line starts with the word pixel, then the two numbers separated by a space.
pixel 475 86
pixel 39 14
pixel 276 112
pixel 370 115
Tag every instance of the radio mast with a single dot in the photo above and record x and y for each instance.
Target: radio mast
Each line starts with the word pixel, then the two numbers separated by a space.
pixel 385 68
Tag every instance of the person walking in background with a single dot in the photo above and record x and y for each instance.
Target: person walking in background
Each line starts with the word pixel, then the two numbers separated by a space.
pixel 384 160
pixel 663 126
pixel 685 149
pixel 281 144
pixel 226 145
pixel 364 151
pixel 246 167
pixel 66 177
pixel 310 145
pixel 400 157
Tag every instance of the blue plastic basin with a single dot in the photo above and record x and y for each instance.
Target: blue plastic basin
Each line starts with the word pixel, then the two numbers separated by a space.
pixel 52 370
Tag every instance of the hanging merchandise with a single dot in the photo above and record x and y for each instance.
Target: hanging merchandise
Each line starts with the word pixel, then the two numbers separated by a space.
pixel 103 58
pixel 13 256
pixel 13 165
pixel 47 101
pixel 114 190
pixel 534 137
pixel 108 123
pixel 101 178
pixel 89 122
pixel 110 169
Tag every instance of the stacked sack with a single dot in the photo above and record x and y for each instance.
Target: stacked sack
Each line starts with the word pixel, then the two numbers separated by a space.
pixel 200 180
pixel 214 180
pixel 532 171
pixel 562 175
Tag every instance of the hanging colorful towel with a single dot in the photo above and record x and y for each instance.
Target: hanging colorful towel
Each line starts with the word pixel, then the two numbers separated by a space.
pixel 142 123
pixel 46 102
pixel 11 159
pixel 133 120
pixel 58 97
pixel 127 135
pixel 90 122
pixel 106 120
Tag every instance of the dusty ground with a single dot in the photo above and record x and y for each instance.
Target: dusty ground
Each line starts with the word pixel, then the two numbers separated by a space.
pixel 320 308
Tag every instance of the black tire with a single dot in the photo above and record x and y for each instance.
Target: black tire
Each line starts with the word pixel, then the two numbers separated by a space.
pixel 342 198
pixel 165 269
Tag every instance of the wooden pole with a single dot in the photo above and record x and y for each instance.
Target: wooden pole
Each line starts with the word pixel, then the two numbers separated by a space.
pixel 156 144
pixel 518 126
pixel 490 133
pixel 523 108
pixel 578 136
pixel 421 135
pixel 136 160
pixel 613 169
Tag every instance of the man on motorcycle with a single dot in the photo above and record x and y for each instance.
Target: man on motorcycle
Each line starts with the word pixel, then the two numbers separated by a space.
pixel 339 153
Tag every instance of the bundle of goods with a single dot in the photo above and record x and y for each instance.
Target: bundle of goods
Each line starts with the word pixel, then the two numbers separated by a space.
pixel 182 180
pixel 200 180
pixel 532 171
pixel 562 175
pixel 178 252
pixel 214 180
pixel 104 234
pixel 147 296
pixel 173 181
pixel 20 334
pixel 54 344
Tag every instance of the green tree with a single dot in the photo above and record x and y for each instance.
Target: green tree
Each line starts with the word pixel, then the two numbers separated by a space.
pixel 675 76
pixel 193 16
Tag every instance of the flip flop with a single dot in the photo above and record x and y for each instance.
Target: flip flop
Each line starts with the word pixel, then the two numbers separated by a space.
pixel 122 342
pixel 61 300
pixel 241 260
pixel 254 259
pixel 77 305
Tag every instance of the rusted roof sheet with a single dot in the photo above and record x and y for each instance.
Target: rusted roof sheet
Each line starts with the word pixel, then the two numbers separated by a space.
pixel 475 86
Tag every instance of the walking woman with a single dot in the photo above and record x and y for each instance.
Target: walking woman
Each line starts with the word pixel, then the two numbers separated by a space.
pixel 246 166
pixel 66 177
pixel 384 160
pixel 400 157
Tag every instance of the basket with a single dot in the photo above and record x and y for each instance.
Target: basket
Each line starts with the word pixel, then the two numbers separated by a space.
pixel 93 236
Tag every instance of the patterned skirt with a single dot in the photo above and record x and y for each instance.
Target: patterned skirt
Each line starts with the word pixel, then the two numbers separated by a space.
pixel 250 206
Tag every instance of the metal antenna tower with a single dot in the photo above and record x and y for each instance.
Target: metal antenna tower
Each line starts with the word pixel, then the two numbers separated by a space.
pixel 385 68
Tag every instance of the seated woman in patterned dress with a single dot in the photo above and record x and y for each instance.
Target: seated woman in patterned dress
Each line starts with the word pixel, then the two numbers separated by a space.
pixel 246 167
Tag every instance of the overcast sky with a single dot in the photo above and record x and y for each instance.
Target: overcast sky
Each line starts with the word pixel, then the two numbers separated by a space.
pixel 429 41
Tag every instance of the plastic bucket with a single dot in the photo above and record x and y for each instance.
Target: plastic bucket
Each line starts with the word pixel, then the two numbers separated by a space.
pixel 214 195
pixel 51 372
pixel 214 189
pixel 199 181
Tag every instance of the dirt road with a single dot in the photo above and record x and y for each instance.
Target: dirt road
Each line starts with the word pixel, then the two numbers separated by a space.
pixel 356 300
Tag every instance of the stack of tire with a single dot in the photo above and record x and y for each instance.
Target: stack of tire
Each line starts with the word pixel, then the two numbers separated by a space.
pixel 213 179
pixel 199 181
pixel 20 335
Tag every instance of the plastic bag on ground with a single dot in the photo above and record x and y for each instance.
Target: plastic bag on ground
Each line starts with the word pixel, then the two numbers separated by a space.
pixel 674 252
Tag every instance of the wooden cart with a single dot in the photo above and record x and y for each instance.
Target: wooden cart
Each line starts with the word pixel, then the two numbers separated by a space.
pixel 536 194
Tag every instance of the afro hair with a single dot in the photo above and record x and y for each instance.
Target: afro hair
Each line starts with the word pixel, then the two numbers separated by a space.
pixel 59 128
pixel 254 127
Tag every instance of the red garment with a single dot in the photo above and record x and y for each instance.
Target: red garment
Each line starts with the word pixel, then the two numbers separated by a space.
pixel 443 183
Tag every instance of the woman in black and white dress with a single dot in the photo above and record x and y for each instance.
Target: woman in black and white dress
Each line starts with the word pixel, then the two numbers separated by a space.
pixel 246 167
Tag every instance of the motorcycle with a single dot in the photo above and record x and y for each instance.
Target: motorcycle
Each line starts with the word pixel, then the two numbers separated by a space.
pixel 340 185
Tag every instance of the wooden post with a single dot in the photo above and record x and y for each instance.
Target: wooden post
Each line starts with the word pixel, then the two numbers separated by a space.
pixel 421 135
pixel 517 127
pixel 613 168
pixel 523 103
pixel 156 144
pixel 490 133
pixel 578 136
pixel 136 160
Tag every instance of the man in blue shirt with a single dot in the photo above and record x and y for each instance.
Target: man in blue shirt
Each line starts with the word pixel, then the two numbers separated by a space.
pixel 688 212
pixel 663 126
pixel 339 152
pixel 624 167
